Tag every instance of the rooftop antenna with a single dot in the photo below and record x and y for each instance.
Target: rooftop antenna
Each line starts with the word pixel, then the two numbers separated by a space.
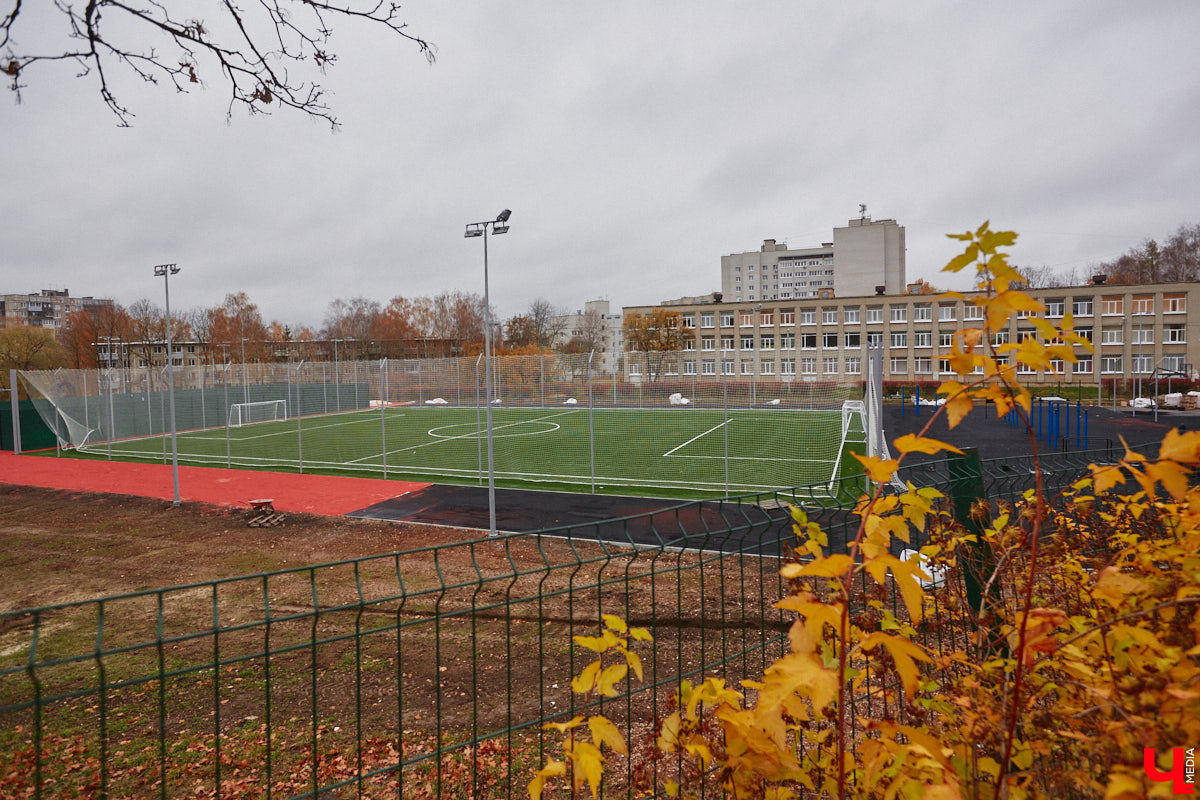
pixel 862 211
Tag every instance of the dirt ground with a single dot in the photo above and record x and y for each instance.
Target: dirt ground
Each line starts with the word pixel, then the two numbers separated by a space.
pixel 62 546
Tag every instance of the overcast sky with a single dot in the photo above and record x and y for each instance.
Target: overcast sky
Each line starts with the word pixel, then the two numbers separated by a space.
pixel 636 143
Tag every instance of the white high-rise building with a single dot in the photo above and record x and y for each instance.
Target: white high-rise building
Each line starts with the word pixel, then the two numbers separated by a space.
pixel 864 254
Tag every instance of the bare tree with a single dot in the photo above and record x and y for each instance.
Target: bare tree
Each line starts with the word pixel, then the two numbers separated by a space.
pixel 546 322
pixel 1046 277
pixel 351 319
pixel 265 52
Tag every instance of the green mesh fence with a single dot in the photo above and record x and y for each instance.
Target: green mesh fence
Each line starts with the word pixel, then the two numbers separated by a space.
pixel 555 421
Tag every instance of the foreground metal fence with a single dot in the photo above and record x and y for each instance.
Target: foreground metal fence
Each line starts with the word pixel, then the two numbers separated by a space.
pixel 425 673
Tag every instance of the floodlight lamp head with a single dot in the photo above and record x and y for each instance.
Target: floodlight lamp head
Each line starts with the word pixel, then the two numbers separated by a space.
pixel 499 228
pixel 161 269
pixel 474 229
pixel 503 216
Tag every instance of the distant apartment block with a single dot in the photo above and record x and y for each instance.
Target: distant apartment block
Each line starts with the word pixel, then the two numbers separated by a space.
pixel 1137 331
pixel 863 255
pixel 596 320
pixel 48 308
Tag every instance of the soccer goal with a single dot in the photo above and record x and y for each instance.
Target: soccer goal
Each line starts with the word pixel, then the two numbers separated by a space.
pixel 262 411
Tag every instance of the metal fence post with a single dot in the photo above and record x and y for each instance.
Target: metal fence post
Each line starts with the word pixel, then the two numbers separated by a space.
pixel 591 427
pixel 299 416
pixel 16 411
pixel 382 413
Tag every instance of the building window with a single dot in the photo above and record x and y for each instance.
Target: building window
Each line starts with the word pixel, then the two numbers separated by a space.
pixel 708 367
pixel 851 315
pixel 635 368
pixel 898 313
pixel 1083 365
pixel 853 365
pixel 808 366
pixel 829 316
pixel 1142 304
pixel 1174 334
pixel 874 314
pixel 1110 336
pixel 706 319
pixel 899 366
pixel 808 341
pixel 1175 304
pixel 707 343
pixel 946 338
pixel 1081 307
pixel 1113 306
pixel 1143 364
pixel 787 341
pixel 726 366
pixel 767 368
pixel 923 339
pixel 1173 363
pixel 1024 369
pixel 875 339
pixel 1055 308
pixel 1024 336
pixel 829 340
pixel 748 342
pixel 900 339
pixel 689 367
pixel 922 313
pixel 808 316
pixel 853 340
pixel 689 344
pixel 923 366
pixel 972 312
pixel 747 319
pixel 787 317
pixel 689 320
pixel 787 366
pixel 829 366
pixel 1142 336
pixel 946 313
pixel 766 342
pixel 1110 365
pixel 747 366
pixel 1000 338
pixel 726 342
pixel 727 319
pixel 1085 333
pixel 767 318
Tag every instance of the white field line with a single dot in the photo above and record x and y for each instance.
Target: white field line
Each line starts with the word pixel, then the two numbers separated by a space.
pixel 289 432
pixel 763 458
pixel 694 438
pixel 470 435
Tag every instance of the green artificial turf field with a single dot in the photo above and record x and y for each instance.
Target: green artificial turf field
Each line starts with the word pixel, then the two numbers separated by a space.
pixel 671 451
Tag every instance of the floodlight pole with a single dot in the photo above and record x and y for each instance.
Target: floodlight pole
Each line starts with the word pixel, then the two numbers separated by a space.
pixel 167 270
pixel 498 225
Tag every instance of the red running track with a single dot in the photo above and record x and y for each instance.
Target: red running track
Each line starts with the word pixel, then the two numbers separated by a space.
pixel 311 494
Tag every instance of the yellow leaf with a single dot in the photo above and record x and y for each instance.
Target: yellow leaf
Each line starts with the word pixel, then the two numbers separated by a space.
pixel 1114 585
pixel 586 681
pixel 833 566
pixel 957 407
pixel 1173 477
pixel 911 443
pixel 563 727
pixel 878 469
pixel 553 769
pixel 668 733
pixel 589 766
pixel 1106 477
pixel 640 634
pixel 605 733
pixel 597 643
pixel 614 623
pixel 634 662
pixel 1181 447
pixel 606 684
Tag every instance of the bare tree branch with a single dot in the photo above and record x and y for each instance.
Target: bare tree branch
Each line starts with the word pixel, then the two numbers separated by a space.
pixel 250 48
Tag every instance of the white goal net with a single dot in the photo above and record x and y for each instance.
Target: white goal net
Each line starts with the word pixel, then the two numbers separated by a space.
pixel 261 411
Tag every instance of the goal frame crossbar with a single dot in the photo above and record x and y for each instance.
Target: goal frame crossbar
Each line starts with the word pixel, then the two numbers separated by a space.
pixel 235 410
